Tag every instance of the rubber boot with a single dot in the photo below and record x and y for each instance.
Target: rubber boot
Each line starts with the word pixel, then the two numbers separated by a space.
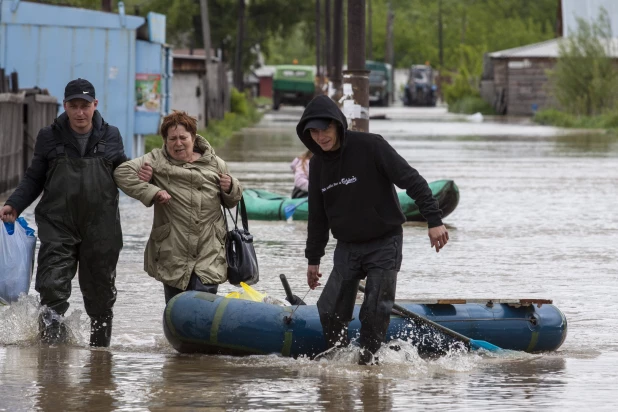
pixel 52 330
pixel 100 331
pixel 375 313
pixel 367 358
pixel 335 332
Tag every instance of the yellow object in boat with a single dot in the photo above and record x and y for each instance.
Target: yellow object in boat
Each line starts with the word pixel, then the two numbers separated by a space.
pixel 248 293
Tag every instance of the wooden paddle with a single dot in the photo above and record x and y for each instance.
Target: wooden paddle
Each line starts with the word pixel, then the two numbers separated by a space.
pixel 471 344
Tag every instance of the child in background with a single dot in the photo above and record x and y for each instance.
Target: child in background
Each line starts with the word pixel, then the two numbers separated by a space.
pixel 300 167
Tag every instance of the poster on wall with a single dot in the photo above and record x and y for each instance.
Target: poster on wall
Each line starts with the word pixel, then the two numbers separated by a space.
pixel 148 92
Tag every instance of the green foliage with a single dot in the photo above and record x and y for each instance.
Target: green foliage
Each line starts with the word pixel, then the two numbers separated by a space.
pixel 153 141
pixel 264 20
pixel 554 117
pixel 584 81
pixel 464 82
pixel 284 30
pixel 262 102
pixel 471 105
pixel 485 25
pixel 461 86
pixel 286 49
pixel 238 102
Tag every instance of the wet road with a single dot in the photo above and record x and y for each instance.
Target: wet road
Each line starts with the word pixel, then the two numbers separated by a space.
pixel 536 219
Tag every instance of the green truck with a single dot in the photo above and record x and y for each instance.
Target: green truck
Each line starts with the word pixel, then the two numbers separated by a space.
pixel 293 84
pixel 380 82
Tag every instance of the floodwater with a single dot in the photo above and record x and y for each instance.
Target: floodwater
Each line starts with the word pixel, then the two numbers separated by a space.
pixel 537 219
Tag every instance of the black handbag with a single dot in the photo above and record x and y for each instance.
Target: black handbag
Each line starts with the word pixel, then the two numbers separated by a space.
pixel 242 264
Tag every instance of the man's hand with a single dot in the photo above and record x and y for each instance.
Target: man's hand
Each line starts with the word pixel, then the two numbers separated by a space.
pixel 313 276
pixel 225 181
pixel 145 172
pixel 438 236
pixel 8 214
pixel 162 197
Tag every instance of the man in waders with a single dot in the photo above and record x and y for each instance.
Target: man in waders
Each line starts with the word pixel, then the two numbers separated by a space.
pixel 77 217
pixel 352 178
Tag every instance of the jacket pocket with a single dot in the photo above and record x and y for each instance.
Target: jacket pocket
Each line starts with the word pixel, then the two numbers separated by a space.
pixel 159 233
pixel 160 252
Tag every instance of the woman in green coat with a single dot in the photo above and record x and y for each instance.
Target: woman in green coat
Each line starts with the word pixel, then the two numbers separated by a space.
pixel 186 248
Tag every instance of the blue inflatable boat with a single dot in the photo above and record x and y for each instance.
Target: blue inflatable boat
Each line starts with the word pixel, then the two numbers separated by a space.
pixel 205 323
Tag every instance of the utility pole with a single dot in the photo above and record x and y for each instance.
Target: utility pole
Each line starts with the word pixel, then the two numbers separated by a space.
pixel 337 47
pixel 106 5
pixel 440 46
pixel 240 33
pixel 206 38
pixel 328 40
pixel 356 78
pixel 390 55
pixel 369 31
pixel 318 70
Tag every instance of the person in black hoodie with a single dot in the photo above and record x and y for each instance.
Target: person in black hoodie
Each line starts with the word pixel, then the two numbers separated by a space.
pixel 352 178
pixel 77 217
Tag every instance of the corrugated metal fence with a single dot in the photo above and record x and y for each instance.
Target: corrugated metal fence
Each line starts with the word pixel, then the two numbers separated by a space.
pixel 22 114
pixel 11 155
pixel 218 91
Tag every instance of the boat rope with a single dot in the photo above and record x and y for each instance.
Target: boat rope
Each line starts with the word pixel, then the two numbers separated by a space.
pixel 289 318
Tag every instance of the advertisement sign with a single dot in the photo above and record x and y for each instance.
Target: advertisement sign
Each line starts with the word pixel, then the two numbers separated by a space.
pixel 148 92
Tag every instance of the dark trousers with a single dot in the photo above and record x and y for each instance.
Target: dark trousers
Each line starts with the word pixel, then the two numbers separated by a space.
pixel 194 284
pixel 298 193
pixel 378 261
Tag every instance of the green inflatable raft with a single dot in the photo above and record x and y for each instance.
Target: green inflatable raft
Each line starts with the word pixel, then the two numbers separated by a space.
pixel 263 205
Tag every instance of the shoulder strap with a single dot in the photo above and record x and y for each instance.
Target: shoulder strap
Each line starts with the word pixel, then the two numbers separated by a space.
pixel 243 216
pixel 60 142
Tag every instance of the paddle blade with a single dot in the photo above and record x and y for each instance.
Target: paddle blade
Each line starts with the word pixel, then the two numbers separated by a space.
pixel 481 344
pixel 289 211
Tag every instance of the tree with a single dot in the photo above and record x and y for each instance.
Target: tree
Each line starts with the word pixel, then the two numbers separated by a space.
pixel 585 81
pixel 265 20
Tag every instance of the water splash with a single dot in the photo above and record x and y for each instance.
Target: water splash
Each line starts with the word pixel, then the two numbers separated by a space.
pixel 19 323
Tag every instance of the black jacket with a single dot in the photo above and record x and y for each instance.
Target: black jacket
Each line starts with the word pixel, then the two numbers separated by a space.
pixel 33 182
pixel 351 189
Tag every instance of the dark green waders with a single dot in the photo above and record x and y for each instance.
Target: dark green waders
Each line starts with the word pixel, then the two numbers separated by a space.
pixel 79 229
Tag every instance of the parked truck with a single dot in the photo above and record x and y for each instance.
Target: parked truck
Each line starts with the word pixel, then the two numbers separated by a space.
pixel 380 82
pixel 421 89
pixel 293 84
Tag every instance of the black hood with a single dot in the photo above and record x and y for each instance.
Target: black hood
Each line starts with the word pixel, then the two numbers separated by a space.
pixel 321 107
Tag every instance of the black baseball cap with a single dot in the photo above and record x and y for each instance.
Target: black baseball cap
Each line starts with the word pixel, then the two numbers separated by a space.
pixel 79 89
pixel 321 124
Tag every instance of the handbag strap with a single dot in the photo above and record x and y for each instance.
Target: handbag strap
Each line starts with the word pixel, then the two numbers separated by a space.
pixel 243 216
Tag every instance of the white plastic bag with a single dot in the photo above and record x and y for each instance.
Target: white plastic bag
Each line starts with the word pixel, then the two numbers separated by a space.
pixel 16 259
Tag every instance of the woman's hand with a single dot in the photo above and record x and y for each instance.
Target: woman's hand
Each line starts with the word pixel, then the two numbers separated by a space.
pixel 225 182
pixel 162 197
